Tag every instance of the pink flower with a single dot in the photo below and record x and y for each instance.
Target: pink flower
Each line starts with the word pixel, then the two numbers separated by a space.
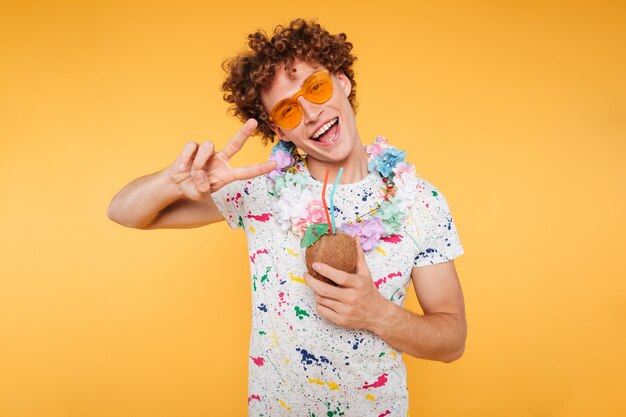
pixel 316 212
pixel 380 192
pixel 377 147
pixel 299 227
pixel 404 167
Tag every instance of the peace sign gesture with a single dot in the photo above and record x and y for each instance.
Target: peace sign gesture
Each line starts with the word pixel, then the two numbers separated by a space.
pixel 200 171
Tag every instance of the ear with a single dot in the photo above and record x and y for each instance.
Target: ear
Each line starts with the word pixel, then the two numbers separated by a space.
pixel 279 133
pixel 344 82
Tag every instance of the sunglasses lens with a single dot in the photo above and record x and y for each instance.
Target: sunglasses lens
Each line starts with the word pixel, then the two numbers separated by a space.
pixel 317 89
pixel 287 114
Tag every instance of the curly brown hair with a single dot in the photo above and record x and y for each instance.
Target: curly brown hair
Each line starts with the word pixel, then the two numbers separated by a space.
pixel 248 73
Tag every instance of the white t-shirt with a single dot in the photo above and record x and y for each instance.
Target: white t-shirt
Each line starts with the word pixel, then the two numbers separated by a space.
pixel 300 363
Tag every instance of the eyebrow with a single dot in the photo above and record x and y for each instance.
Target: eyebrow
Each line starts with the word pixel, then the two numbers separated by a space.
pixel 302 83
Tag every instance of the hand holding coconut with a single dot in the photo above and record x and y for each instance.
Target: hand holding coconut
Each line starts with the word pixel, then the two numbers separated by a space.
pixel 356 303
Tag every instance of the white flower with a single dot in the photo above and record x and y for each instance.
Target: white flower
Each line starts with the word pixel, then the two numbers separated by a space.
pixel 406 192
pixel 291 206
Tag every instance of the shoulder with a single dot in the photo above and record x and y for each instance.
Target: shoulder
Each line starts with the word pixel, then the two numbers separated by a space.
pixel 250 187
pixel 426 189
pixel 259 184
pixel 244 194
pixel 428 197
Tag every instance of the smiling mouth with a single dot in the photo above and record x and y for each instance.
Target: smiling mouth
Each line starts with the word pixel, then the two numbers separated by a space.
pixel 325 130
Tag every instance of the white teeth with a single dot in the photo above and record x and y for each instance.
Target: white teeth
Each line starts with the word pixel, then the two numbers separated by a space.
pixel 324 128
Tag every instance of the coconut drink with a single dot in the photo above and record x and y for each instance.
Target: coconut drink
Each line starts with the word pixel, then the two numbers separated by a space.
pixel 326 244
pixel 337 250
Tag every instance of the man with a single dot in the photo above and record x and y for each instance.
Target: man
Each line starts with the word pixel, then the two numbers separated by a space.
pixel 316 348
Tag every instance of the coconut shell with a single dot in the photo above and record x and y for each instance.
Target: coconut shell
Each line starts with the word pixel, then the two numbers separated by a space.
pixel 338 250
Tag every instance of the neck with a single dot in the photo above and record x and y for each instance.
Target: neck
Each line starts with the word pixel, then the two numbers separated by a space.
pixel 354 166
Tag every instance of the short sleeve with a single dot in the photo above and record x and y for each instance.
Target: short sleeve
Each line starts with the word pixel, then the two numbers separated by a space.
pixel 229 201
pixel 438 238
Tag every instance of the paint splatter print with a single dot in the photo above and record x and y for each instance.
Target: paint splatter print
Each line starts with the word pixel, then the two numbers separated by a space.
pixel 300 363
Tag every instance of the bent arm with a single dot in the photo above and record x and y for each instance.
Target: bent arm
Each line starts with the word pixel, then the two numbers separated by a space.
pixel 440 333
pixel 155 202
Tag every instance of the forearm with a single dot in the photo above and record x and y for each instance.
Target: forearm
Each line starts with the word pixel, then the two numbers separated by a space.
pixel 436 336
pixel 140 202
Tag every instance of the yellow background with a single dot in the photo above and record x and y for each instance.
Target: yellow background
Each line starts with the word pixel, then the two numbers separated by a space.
pixel 516 112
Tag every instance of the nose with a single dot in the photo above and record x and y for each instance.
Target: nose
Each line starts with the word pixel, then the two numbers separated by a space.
pixel 310 111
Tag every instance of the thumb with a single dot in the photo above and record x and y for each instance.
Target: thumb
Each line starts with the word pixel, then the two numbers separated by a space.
pixel 361 264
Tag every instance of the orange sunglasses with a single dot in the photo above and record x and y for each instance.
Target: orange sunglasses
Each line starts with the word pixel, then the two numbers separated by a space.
pixel 317 88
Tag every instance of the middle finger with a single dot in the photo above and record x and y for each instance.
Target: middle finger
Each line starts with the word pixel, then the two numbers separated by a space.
pixel 204 153
pixel 322 288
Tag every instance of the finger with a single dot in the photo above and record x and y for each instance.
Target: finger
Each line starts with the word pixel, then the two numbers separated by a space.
pixel 340 277
pixel 322 288
pixel 251 171
pixel 361 264
pixel 334 305
pixel 201 181
pixel 236 142
pixel 204 153
pixel 182 162
pixel 328 313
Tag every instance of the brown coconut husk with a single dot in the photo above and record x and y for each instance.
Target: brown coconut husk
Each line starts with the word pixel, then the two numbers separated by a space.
pixel 338 250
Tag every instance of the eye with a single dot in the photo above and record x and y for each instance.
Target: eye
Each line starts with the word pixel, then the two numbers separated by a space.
pixel 287 110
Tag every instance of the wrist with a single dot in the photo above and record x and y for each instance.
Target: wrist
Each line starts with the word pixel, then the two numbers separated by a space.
pixel 383 315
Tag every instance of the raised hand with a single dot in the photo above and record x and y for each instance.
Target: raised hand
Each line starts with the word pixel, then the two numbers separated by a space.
pixel 200 171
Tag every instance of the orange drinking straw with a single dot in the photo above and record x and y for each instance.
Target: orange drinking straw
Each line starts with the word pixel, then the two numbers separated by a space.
pixel 324 199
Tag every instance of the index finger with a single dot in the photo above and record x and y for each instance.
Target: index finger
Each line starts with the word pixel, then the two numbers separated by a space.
pixel 340 277
pixel 236 142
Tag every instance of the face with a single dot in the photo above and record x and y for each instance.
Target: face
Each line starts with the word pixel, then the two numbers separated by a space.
pixel 327 131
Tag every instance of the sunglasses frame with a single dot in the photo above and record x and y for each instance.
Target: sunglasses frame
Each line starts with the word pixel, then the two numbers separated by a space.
pixel 294 99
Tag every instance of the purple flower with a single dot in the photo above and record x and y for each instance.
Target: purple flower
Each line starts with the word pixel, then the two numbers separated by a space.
pixel 369 232
pixel 274 173
pixel 284 159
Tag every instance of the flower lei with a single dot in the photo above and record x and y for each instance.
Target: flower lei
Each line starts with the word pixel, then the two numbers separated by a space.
pixel 297 208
